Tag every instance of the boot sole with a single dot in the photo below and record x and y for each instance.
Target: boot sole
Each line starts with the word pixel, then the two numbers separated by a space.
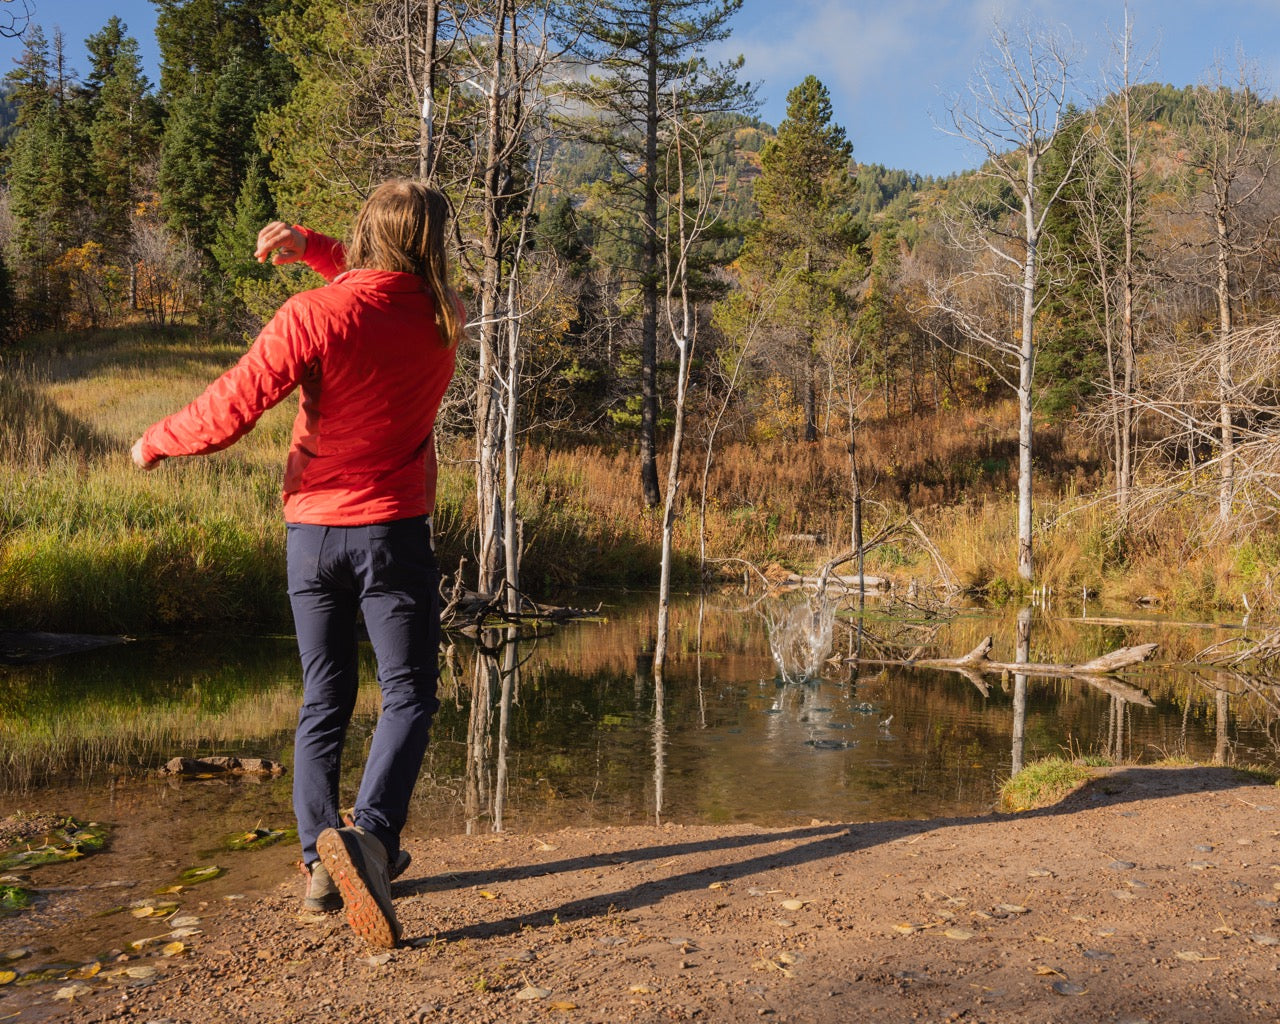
pixel 364 914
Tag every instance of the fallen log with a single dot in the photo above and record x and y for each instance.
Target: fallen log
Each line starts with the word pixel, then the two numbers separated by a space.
pixel 1094 671
pixel 847 582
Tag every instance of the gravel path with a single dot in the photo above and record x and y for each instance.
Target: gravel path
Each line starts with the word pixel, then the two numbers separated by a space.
pixel 1150 895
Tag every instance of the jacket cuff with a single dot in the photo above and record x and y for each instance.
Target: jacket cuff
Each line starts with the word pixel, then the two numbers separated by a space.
pixel 325 255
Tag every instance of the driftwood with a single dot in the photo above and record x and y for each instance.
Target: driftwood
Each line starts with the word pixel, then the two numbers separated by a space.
pixel 976 662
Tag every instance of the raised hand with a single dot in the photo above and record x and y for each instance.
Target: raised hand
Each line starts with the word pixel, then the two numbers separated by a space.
pixel 288 243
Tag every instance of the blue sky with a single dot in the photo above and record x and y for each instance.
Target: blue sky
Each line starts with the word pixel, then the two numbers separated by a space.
pixel 892 66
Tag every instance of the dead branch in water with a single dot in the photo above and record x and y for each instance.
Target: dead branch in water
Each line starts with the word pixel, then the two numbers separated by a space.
pixel 1238 651
pixel 977 662
pixel 466 611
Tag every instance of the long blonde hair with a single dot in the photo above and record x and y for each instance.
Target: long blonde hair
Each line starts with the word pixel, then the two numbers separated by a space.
pixel 400 227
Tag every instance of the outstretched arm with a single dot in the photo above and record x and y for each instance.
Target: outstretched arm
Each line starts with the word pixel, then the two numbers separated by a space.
pixel 232 404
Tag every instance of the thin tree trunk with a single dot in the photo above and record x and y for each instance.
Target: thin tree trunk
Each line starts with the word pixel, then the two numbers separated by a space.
pixel 1226 478
pixel 426 126
pixel 1128 343
pixel 649 278
pixel 1026 366
pixel 488 396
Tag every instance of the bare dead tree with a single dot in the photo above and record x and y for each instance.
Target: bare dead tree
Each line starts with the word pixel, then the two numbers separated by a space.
pixel 1016 105
pixel 1234 152
pixel 15 18
pixel 1181 393
pixel 1108 206
pixel 692 205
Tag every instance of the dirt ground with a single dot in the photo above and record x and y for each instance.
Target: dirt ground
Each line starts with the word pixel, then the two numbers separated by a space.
pixel 1150 895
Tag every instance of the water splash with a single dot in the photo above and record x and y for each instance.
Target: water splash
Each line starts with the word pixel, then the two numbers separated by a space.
pixel 800 638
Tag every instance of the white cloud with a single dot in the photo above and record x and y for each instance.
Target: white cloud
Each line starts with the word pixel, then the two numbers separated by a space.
pixel 851 48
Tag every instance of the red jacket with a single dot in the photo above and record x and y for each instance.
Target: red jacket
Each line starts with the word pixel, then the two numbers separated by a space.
pixel 372 369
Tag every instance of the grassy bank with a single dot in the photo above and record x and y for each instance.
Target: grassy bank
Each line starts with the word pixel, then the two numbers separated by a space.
pixel 87 542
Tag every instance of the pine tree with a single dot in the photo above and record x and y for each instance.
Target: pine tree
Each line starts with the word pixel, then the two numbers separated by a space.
pixel 1069 357
pixel 250 283
pixel 644 51
pixel 807 233
pixel 123 128
pixel 219 72
pixel 46 178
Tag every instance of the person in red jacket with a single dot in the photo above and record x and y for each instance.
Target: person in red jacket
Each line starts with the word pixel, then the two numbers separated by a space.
pixel 371 353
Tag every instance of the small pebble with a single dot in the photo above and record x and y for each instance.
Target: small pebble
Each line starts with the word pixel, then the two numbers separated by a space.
pixel 1069 988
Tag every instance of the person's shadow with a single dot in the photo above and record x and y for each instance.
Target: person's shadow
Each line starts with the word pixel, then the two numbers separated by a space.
pixel 807 845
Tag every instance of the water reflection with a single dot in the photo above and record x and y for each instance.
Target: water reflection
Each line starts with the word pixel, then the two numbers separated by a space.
pixel 576 729
pixel 1022 655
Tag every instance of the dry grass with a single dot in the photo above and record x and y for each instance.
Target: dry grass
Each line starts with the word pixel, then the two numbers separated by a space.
pixel 87 542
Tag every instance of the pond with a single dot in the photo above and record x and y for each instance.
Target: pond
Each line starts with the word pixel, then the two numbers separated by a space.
pixel 571 729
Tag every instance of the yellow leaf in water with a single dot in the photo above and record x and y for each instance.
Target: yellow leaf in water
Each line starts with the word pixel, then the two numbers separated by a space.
pixel 488 895
pixel 7 976
pixel 143 912
pixel 88 971
pixel 172 948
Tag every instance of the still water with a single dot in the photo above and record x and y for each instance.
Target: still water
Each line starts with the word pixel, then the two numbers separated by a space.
pixel 571 728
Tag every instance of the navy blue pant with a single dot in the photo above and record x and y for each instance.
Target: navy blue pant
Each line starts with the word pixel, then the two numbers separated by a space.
pixel 388 572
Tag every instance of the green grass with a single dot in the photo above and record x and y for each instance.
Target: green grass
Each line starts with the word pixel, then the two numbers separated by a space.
pixel 1043 783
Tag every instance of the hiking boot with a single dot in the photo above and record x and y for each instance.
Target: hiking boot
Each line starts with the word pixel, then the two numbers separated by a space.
pixel 357 861
pixel 322 894
pixel 401 864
